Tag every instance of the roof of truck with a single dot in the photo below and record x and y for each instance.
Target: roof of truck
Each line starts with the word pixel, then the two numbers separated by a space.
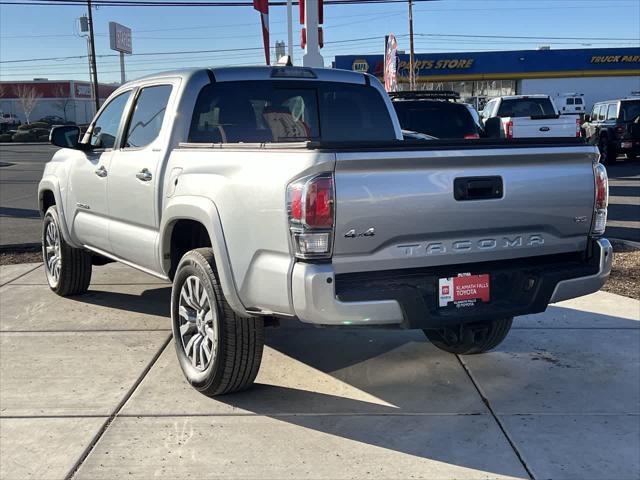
pixel 263 73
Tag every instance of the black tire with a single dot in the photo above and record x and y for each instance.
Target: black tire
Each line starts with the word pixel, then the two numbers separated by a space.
pixel 237 344
pixel 632 157
pixel 470 339
pixel 71 273
pixel 607 152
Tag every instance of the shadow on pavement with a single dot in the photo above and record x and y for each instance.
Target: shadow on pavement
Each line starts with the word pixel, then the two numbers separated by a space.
pixel 154 301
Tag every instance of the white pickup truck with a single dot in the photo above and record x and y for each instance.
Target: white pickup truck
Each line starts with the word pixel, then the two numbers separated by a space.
pixel 286 192
pixel 527 116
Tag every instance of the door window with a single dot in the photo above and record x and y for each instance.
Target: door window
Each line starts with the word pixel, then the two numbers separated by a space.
pixel 105 127
pixel 601 111
pixel 148 113
pixel 612 111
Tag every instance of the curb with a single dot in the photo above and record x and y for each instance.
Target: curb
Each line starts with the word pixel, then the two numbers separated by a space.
pixel 20 247
pixel 626 243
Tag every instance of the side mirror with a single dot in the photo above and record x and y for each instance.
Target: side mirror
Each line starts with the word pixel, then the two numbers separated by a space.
pixel 493 127
pixel 65 136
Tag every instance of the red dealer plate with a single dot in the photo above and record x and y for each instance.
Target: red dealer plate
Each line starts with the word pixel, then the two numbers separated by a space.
pixel 463 290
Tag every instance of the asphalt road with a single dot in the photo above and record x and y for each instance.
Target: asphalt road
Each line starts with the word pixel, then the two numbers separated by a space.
pixel 21 167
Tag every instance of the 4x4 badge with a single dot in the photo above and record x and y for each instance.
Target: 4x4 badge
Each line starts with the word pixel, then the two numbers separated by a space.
pixel 353 234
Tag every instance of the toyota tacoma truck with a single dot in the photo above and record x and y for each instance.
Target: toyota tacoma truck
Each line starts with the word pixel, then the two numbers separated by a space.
pixel 528 116
pixel 268 193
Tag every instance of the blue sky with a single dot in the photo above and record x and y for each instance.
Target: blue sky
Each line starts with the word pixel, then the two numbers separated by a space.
pixel 28 32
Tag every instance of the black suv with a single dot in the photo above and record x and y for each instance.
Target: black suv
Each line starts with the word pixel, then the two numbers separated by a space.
pixel 436 113
pixel 614 126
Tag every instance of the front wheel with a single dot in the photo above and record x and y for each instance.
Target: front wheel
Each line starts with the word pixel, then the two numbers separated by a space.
pixel 68 269
pixel 470 338
pixel 219 352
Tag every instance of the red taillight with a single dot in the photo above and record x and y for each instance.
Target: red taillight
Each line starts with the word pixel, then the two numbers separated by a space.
pixel 508 129
pixel 319 203
pixel 471 136
pixel 295 202
pixel 310 203
pixel 578 128
pixel 601 200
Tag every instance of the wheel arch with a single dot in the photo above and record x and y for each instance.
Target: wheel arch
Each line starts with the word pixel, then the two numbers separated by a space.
pixel 49 194
pixel 190 211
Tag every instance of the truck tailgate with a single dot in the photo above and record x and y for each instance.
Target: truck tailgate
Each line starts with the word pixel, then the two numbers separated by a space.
pixel 561 127
pixel 398 209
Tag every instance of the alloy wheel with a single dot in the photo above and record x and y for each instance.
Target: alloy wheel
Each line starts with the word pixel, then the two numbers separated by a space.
pixel 198 324
pixel 52 257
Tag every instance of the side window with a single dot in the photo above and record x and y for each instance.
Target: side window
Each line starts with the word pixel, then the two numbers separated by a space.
pixel 601 111
pixel 612 111
pixel 105 128
pixel 148 113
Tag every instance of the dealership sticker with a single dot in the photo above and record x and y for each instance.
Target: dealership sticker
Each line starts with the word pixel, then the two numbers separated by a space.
pixel 463 290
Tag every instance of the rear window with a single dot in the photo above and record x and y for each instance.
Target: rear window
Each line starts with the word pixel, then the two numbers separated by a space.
pixel 629 111
pixel 289 111
pixel 526 107
pixel 438 119
pixel 570 101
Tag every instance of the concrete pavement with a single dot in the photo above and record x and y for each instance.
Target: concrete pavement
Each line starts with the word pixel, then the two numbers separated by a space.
pixel 90 389
pixel 21 168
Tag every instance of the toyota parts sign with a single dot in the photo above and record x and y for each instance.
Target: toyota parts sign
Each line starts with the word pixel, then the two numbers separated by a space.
pixel 120 38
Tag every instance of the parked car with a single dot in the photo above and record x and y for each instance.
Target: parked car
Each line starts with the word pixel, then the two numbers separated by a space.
pixel 53 120
pixel 615 127
pixel 288 192
pixel 527 116
pixel 570 103
pixel 437 114
pixel 8 121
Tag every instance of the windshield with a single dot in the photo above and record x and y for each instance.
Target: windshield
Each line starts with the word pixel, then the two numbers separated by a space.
pixel 438 119
pixel 526 107
pixel 629 111
pixel 289 111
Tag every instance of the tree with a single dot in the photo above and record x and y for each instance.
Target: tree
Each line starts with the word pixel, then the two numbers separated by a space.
pixel 28 98
pixel 63 100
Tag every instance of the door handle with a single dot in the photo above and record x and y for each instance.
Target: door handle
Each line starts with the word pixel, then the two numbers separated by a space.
pixel 101 172
pixel 144 175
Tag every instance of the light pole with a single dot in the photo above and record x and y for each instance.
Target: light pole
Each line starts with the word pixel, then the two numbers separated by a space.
pixel 92 60
pixel 412 73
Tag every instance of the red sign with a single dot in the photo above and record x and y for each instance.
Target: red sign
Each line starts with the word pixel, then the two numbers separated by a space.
pixel 463 289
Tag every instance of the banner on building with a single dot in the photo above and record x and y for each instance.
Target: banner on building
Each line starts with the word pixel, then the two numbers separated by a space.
pixel 263 7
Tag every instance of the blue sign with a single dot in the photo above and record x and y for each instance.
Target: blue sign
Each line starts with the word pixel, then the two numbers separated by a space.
pixel 504 65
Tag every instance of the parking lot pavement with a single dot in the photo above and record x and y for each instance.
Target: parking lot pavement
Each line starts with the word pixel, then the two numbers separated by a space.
pixel 90 388
pixel 21 168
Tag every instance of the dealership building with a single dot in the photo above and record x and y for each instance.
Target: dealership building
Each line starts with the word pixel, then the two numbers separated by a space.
pixel 71 100
pixel 597 73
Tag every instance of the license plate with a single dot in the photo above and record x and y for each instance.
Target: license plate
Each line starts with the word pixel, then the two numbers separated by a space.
pixel 464 290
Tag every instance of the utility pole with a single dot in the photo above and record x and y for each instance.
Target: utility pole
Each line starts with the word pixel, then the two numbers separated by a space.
pixel 92 60
pixel 290 28
pixel 412 73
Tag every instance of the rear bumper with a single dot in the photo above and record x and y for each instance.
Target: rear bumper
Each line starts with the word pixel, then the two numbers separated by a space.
pixel 408 298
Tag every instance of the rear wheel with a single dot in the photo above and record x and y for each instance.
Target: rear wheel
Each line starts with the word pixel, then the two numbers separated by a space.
pixel 68 269
pixel 470 338
pixel 219 351
pixel 607 153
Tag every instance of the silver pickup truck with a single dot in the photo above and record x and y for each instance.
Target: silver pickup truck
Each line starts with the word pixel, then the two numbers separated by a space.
pixel 285 192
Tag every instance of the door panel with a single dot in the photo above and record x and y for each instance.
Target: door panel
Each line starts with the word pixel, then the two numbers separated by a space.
pixel 87 195
pixel 134 180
